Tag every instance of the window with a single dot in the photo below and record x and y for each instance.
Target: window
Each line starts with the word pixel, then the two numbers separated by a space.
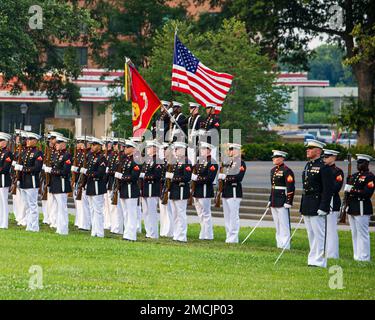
pixel 64 109
pixel 58 53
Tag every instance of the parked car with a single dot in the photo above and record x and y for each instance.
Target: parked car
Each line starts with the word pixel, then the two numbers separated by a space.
pixel 345 140
pixel 324 135
pixel 296 136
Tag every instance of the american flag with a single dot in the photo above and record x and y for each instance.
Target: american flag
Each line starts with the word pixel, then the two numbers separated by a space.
pixel 191 76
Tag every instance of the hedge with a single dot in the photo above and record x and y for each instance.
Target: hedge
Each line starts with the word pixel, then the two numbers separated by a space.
pixel 296 151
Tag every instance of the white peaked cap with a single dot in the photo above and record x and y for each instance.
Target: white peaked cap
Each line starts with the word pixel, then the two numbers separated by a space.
pixel 329 152
pixel 194 105
pixel 97 141
pixel 211 105
pixel 177 104
pixel 54 134
pixel 206 145
pixel 130 143
pixel 32 135
pixel 178 144
pixel 366 157
pixel 5 136
pixel 62 139
pixel 278 153
pixel 80 138
pixel 152 143
pixel 314 143
pixel 165 103
pixel 89 138
pixel 234 146
pixel 136 139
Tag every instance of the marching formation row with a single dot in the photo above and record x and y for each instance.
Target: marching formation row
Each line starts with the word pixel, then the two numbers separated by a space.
pixel 115 185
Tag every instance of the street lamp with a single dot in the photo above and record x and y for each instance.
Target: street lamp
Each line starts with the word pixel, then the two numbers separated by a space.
pixel 24 109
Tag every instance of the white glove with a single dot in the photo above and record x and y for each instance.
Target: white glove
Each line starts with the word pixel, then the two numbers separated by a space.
pixel 106 170
pixel 84 171
pixel 47 169
pixel 169 175
pixel 170 110
pixel 74 169
pixel 194 177
pixel 142 175
pixel 14 163
pixel 268 204
pixel 222 176
pixel 44 167
pixel 18 167
pixel 348 187
pixel 287 205
pixel 118 175
pixel 322 213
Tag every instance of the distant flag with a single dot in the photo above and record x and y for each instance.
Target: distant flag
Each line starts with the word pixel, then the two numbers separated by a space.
pixel 144 101
pixel 191 76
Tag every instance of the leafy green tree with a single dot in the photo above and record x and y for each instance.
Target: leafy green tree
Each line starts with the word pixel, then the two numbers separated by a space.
pixel 327 64
pixel 284 29
pixel 129 28
pixel 28 45
pixel 253 101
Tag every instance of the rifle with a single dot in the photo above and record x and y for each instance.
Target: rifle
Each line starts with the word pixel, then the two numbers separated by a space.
pixel 116 187
pixel 16 176
pixel 168 181
pixel 75 164
pixel 47 176
pixel 82 178
pixel 219 188
pixel 345 203
pixel 193 186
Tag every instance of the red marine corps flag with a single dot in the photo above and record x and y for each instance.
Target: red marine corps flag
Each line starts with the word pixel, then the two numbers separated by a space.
pixel 144 101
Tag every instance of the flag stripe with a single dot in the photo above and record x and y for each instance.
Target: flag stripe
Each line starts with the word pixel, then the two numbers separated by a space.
pixel 221 88
pixel 178 86
pixel 216 74
pixel 218 94
pixel 198 89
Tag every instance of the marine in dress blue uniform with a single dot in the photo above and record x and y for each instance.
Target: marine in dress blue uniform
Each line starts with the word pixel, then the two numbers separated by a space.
pixel 6 158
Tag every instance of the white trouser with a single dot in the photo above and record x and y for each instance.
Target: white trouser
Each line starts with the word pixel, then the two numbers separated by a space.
pixel 52 210
pixel 166 222
pixel 96 205
pixel 332 235
pixel 192 155
pixel 130 213
pixel 316 232
pixel 83 216
pixel 19 208
pixel 30 197
pixel 150 216
pixel 116 218
pixel 45 212
pixel 231 208
pixel 179 219
pixel 282 224
pixel 360 237
pixel 62 217
pixel 4 208
pixel 203 206
pixel 139 219
pixel 107 210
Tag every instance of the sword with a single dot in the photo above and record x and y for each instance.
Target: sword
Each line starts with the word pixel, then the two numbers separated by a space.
pixel 290 238
pixel 260 220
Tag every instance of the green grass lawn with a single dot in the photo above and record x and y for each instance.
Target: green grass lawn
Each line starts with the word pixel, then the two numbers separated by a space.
pixel 81 267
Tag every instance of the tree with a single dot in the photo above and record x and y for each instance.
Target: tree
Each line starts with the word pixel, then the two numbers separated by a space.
pixel 285 27
pixel 28 45
pixel 253 102
pixel 327 64
pixel 129 28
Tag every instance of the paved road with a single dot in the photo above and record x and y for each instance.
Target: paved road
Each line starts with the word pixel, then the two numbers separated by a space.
pixel 258 172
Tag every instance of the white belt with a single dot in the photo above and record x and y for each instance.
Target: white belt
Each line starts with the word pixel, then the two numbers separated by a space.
pixel 129 190
pixel 279 188
pixel 361 207
pixel 96 188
